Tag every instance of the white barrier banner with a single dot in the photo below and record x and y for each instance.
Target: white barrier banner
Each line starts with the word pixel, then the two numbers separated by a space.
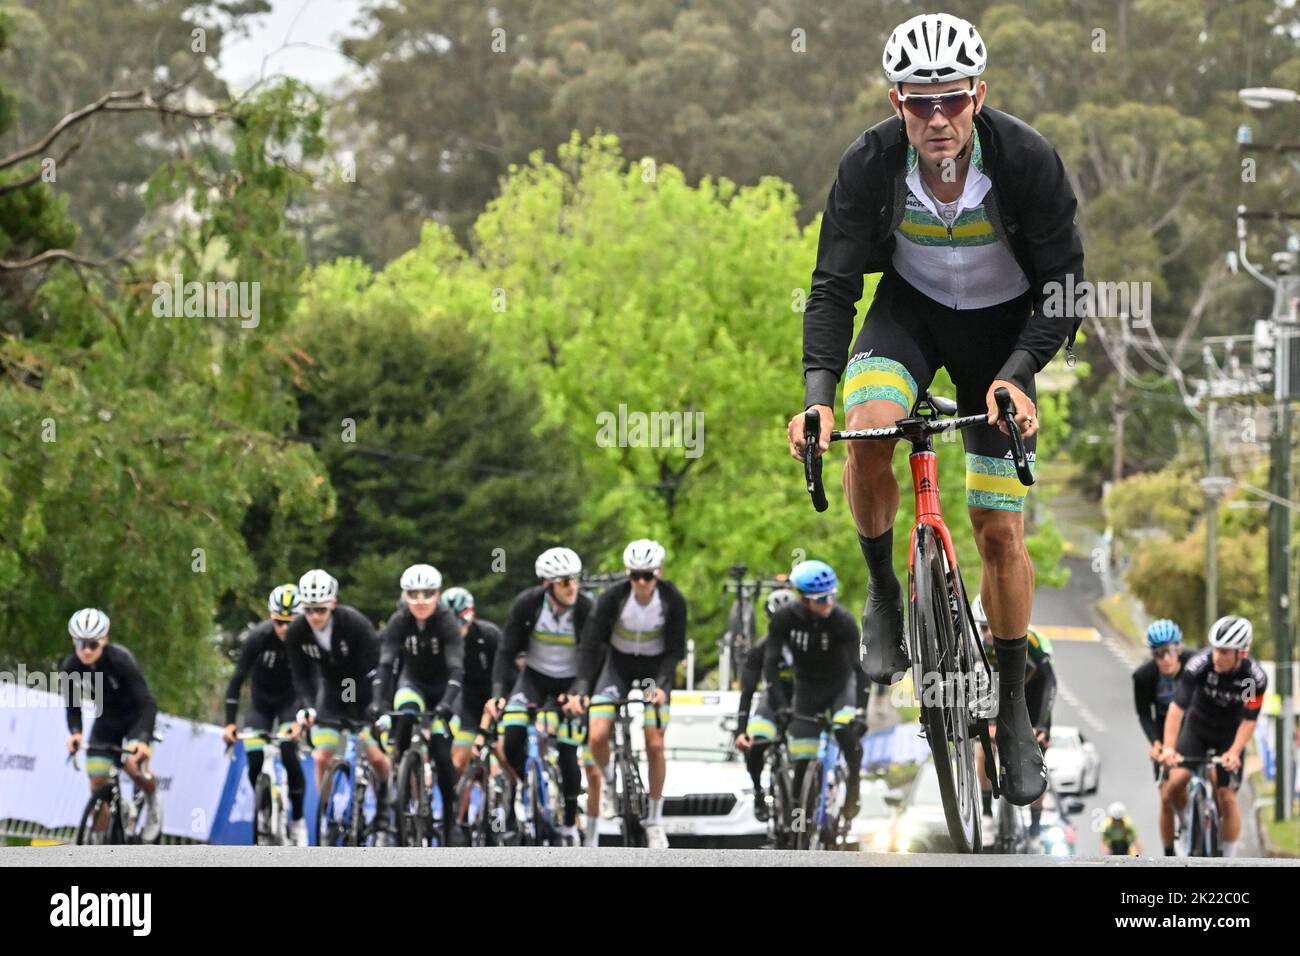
pixel 37 783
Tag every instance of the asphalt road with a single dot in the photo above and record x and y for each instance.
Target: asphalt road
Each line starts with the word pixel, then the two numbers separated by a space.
pixel 1095 694
pixel 155 856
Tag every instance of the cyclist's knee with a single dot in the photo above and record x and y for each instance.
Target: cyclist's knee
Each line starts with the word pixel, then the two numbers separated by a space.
pixel 598 732
pixel 999 535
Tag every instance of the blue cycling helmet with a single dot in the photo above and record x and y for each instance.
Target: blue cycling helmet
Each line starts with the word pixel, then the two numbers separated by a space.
pixel 1163 631
pixel 813 577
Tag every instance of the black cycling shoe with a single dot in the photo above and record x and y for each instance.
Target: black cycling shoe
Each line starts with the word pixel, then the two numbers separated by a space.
pixel 1020 759
pixel 760 807
pixel 885 659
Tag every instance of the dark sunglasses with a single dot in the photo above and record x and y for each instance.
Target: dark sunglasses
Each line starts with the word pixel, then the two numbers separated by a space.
pixel 315 610
pixel 924 104
pixel 1160 652
pixel 642 575
pixel 818 598
pixel 421 595
pixel 87 643
pixel 563 582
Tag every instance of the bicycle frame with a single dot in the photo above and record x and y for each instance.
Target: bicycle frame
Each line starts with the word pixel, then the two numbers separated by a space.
pixel 1201 796
pixel 949 651
pixel 536 762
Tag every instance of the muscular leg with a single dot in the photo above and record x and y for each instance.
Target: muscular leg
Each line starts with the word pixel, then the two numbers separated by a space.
pixel 1008 579
pixel 599 731
pixel 654 752
pixel 869 483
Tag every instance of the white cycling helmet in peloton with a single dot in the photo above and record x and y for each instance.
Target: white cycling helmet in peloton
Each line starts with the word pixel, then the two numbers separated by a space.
pixel 317 587
pixel 977 612
pixel 88 624
pixel 1116 811
pixel 934 48
pixel 422 577
pixel 1231 633
pixel 643 555
pixel 558 563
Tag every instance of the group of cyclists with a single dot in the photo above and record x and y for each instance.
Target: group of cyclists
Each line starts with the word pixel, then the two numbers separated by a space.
pixel 1192 704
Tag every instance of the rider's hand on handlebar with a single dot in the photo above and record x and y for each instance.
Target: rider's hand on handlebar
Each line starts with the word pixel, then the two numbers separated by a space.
pixel 743 741
pixel 1026 410
pixel 1156 747
pixel 74 743
pixel 794 431
pixel 307 716
pixel 494 707
pixel 574 705
pixel 1230 761
pixel 1169 757
pixel 228 736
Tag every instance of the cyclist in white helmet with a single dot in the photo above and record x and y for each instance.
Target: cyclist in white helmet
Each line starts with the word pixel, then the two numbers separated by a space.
pixel 1215 707
pixel 333 657
pixel 969 214
pixel 108 676
pixel 544 623
pixel 635 637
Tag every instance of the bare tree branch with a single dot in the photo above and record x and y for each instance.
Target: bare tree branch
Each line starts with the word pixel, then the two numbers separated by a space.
pixel 49 255
pixel 29 180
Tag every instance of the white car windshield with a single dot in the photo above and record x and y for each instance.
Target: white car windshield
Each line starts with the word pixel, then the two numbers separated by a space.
pixel 701 736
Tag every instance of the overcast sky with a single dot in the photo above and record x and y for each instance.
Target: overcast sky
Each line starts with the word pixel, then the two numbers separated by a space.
pixel 319 23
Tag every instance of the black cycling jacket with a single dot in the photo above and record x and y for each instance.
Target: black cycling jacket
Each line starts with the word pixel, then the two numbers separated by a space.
pixel 1031 208
pixel 126 696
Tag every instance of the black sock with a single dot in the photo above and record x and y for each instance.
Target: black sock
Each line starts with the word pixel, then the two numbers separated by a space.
pixel 1011 664
pixel 986 800
pixel 1169 851
pixel 879 553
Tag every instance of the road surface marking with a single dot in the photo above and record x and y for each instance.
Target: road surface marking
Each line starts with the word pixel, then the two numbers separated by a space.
pixel 1088 717
pixel 1064 632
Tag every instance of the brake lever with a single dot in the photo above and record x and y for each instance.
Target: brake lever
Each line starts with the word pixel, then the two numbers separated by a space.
pixel 812 463
pixel 1007 412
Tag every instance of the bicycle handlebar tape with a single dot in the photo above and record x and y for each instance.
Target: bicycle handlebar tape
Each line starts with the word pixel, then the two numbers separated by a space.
pixel 812 463
pixel 1007 410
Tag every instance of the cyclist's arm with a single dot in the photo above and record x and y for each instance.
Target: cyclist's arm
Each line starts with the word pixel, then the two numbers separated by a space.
pixel 454 649
pixel 1047 674
pixel 300 668
pixel 514 641
pixel 750 673
pixel 776 636
pixel 844 248
pixel 675 613
pixel 1055 249
pixel 146 706
pixel 390 654
pixel 247 655
pixel 595 636
pixel 1144 700
pixel 1173 724
pixel 72 699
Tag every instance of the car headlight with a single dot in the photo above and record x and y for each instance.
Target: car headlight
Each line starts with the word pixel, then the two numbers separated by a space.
pixel 1054 835
pixel 881 839
pixel 1060 849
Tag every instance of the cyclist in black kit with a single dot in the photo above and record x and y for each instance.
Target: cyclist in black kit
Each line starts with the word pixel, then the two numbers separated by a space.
pixel 333 656
pixel 544 623
pixel 1154 684
pixel 480 639
pixel 420 648
pixel 823 640
pixel 272 701
pixel 125 711
pixel 754 736
pixel 1215 706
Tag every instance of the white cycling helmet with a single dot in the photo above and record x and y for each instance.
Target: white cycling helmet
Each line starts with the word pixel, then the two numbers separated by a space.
pixel 643 555
pixel 934 48
pixel 88 624
pixel 558 563
pixel 1116 810
pixel 977 611
pixel 283 603
pixel 317 587
pixel 1231 633
pixel 421 577
pixel 779 599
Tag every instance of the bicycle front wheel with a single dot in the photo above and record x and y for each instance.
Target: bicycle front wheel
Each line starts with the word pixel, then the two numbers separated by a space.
pixel 941 680
pixel 413 823
pixel 807 826
pixel 112 834
pixel 782 804
pixel 631 804
pixel 264 816
pixel 334 809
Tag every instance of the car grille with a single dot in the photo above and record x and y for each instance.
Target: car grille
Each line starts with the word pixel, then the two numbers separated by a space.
pixel 700 805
